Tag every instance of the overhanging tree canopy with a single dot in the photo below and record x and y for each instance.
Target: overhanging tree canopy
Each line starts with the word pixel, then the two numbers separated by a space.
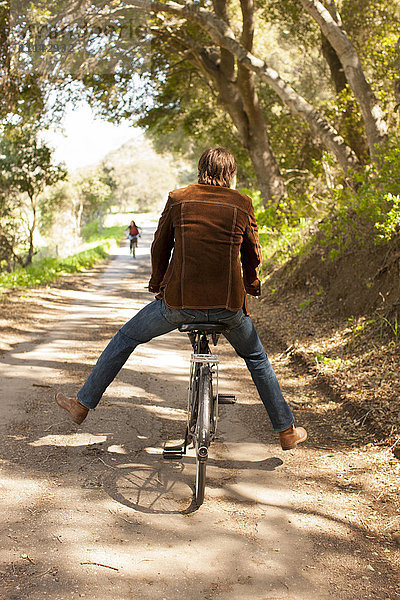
pixel 218 41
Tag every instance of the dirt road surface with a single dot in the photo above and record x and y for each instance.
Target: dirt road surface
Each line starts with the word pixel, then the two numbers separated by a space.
pixel 94 512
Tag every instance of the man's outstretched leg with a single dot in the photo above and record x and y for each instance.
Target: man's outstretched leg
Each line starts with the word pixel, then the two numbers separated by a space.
pixel 144 326
pixel 245 341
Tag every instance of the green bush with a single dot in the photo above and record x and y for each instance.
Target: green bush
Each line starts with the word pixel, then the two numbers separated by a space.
pixel 282 233
pixel 391 225
pixel 372 203
pixel 92 232
pixel 49 269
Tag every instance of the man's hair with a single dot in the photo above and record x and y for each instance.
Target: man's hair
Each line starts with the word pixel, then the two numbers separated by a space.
pixel 217 166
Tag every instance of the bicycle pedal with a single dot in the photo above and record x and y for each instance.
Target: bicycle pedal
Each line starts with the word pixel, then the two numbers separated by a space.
pixel 226 399
pixel 173 453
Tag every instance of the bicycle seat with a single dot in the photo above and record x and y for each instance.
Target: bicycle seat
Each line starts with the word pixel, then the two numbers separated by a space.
pixel 204 327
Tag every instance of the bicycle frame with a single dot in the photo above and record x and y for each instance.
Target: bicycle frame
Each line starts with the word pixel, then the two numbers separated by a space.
pixel 203 399
pixel 196 361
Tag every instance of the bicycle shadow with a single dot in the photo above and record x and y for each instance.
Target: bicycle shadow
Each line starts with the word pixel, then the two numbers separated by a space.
pixel 154 487
pixel 157 486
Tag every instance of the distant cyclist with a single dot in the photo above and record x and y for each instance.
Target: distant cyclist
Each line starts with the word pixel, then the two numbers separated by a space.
pixel 133 235
pixel 205 258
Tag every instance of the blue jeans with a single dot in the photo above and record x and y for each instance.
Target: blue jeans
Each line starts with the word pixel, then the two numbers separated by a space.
pixel 156 319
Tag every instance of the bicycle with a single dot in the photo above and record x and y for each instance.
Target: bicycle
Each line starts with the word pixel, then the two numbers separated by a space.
pixel 203 400
pixel 133 243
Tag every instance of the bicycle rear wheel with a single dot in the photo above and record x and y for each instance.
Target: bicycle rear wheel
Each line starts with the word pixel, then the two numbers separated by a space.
pixel 203 430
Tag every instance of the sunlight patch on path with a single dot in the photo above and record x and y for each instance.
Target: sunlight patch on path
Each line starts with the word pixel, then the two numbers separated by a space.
pixel 69 440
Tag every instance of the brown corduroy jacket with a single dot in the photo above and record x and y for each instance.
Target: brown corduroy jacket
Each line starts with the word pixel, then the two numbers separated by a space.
pixel 212 235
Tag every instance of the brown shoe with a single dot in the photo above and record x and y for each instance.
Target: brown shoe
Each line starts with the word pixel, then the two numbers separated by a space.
pixel 291 437
pixel 75 408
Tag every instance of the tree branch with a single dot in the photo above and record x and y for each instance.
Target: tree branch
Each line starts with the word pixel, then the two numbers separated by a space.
pixel 375 125
pixel 247 36
pixel 227 58
pixel 223 35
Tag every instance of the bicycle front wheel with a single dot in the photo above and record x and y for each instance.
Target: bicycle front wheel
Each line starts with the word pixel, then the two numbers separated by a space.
pixel 203 429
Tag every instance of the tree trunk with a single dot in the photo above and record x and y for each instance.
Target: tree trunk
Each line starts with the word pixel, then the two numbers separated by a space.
pixel 350 117
pixel 269 179
pixel 258 139
pixel 32 229
pixel 253 136
pixel 250 122
pixel 397 92
pixel 15 257
pixel 375 125
pixel 334 64
pixel 224 36
pixel 396 83
pixel 77 216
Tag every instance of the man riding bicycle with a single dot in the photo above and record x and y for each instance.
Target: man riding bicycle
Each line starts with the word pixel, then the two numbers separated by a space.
pixel 205 258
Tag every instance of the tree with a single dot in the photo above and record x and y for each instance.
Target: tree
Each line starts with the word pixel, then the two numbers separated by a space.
pixel 216 42
pixel 222 34
pixel 94 195
pixel 331 25
pixel 23 93
pixel 84 197
pixel 10 235
pixel 397 78
pixel 26 168
pixel 225 60
pixel 195 91
pixel 236 92
pixel 368 29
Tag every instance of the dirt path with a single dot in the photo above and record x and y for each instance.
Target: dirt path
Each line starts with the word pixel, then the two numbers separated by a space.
pixel 94 512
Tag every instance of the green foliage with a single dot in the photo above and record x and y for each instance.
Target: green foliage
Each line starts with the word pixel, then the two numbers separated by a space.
pixel 92 232
pixel 373 26
pixel 393 327
pixel 49 269
pixel 186 117
pixel 291 19
pixel 332 363
pixel 283 242
pixel 391 225
pixel 26 168
pixel 305 304
pixel 343 112
pixel 291 140
pixel 84 197
pixel 285 229
pixel 345 217
pixel 355 214
pixel 52 204
pixel 157 71
pixel 94 191
pixel 26 163
pixel 22 97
